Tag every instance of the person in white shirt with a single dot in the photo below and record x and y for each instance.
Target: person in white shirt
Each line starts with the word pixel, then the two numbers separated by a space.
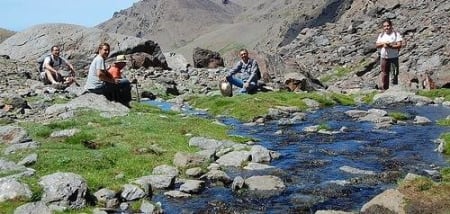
pixel 53 67
pixel 389 43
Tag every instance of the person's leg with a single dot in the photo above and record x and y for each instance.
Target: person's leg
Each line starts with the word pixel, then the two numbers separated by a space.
pixel 125 92
pixel 235 81
pixel 96 91
pixel 111 91
pixel 394 69
pixel 252 88
pixel 43 78
pixel 384 74
pixel 53 78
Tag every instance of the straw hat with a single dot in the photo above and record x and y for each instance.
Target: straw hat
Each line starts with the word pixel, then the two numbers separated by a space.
pixel 225 89
pixel 120 58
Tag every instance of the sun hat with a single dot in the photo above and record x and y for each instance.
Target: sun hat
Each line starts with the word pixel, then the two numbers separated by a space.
pixel 120 58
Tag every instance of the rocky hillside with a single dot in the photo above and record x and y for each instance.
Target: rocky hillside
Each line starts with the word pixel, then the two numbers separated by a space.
pixel 328 39
pixel 4 34
pixel 180 26
pixel 345 49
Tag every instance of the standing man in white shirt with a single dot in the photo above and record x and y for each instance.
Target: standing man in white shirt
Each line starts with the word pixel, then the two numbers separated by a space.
pixel 389 43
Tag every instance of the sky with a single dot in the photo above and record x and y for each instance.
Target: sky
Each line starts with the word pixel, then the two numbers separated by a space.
pixel 18 15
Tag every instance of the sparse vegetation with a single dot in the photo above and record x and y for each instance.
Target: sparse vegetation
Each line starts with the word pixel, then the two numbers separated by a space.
pixel 246 108
pixel 443 92
pixel 5 34
pixel 425 196
pixel 399 115
pixel 338 73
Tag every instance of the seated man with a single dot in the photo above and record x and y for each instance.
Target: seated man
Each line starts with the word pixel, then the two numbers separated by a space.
pixel 249 71
pixel 124 84
pixel 52 69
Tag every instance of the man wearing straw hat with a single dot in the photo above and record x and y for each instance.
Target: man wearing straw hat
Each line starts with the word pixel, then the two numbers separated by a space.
pixel 124 84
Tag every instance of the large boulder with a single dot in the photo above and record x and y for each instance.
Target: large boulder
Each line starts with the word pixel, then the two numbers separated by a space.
pixel 204 58
pixel 66 190
pixel 79 44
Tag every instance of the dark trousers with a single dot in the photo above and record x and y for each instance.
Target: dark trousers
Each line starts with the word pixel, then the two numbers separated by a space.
pixel 116 92
pixel 388 66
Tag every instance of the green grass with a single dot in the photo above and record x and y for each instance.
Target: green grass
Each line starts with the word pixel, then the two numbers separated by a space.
pixel 107 147
pixel 399 115
pixel 446 138
pixel 337 74
pixel 368 98
pixel 247 107
pixel 231 47
pixel 444 92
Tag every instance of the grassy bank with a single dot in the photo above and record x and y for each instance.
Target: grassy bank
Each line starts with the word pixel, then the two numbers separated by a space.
pixel 110 152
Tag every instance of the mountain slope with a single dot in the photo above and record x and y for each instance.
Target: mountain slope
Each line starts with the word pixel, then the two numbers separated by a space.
pixel 171 23
pixel 181 25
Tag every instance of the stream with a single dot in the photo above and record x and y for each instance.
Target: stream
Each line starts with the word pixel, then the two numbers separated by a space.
pixel 311 163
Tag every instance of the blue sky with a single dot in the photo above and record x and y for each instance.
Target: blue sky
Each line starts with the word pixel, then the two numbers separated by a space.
pixel 18 15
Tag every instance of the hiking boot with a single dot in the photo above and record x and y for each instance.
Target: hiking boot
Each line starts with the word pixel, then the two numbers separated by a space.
pixel 59 86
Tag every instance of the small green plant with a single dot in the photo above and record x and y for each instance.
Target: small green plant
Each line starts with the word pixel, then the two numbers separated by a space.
pixel 338 73
pixel 368 98
pixel 444 122
pixel 398 115
pixel 324 126
pixel 446 138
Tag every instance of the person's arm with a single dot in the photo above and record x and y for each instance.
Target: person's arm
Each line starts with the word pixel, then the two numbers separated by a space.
pixel 72 70
pixel 105 76
pixel 235 69
pixel 399 43
pixel 380 43
pixel 254 69
pixel 102 73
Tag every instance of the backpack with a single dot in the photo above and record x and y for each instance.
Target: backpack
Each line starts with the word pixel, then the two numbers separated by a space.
pixel 41 60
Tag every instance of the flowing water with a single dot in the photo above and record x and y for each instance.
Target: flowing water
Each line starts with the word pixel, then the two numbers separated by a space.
pixel 310 163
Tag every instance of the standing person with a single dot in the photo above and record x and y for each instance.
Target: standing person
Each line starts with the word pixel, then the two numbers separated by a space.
pixel 389 43
pixel 52 69
pixel 124 84
pixel 249 73
pixel 99 80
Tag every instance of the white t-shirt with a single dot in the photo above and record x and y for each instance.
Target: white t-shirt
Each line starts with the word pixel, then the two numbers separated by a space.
pixel 58 64
pixel 92 81
pixel 389 53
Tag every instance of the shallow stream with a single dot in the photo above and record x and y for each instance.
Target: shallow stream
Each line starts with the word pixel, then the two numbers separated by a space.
pixel 310 163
